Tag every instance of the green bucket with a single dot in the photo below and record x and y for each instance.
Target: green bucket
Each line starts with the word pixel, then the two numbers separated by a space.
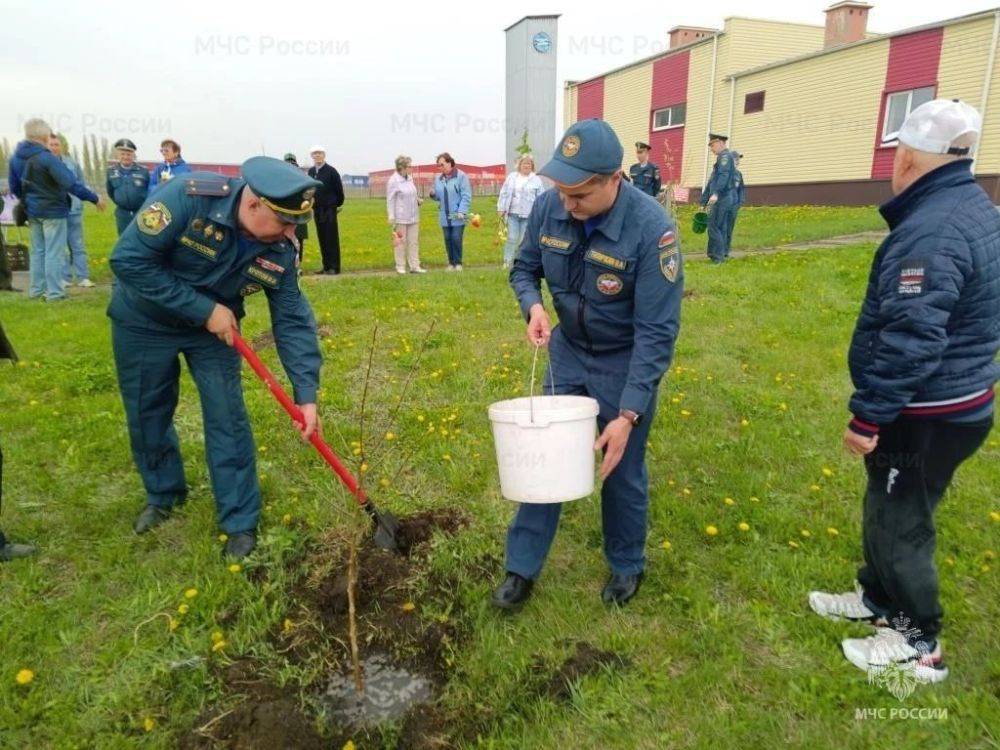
pixel 700 222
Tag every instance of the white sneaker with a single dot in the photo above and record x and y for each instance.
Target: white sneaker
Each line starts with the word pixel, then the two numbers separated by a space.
pixel 418 270
pixel 85 283
pixel 458 267
pixel 846 606
pixel 450 268
pixel 888 649
pixel 506 266
pixel 400 270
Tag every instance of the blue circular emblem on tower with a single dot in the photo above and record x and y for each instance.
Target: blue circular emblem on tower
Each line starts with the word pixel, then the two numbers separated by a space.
pixel 542 42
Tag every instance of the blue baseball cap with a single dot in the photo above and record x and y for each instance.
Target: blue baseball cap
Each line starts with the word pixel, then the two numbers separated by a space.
pixel 282 187
pixel 587 148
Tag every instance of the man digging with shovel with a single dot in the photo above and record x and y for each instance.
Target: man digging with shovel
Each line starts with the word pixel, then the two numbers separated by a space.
pixel 183 268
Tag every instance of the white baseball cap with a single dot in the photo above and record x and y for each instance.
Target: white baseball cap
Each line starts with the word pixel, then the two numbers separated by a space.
pixel 935 126
pixel 317 147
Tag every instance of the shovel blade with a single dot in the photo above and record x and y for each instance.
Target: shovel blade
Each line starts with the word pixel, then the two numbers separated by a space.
pixel 386 534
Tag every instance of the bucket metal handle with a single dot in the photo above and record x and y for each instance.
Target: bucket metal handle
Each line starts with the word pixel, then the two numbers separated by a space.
pixel 531 392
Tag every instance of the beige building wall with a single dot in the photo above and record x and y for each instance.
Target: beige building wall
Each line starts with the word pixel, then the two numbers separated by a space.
pixel 757 42
pixel 569 106
pixel 627 95
pixel 964 55
pixel 819 118
pixel 696 122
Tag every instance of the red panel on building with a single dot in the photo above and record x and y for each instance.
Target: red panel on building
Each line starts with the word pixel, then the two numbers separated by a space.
pixel 913 63
pixel 590 99
pixel 229 170
pixel 670 84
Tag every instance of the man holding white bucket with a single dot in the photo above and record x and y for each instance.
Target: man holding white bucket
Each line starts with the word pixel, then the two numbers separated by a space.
pixel 611 259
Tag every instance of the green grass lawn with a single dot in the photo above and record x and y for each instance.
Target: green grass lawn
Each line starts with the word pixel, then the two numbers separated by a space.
pixel 366 244
pixel 721 648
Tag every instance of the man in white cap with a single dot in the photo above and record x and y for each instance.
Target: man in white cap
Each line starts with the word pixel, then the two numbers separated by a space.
pixel 328 202
pixel 923 363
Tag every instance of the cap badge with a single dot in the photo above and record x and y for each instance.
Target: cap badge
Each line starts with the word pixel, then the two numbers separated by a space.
pixel 570 146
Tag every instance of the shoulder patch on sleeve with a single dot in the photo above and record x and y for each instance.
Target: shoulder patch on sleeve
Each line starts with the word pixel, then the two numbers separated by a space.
pixel 211 185
pixel 667 239
pixel 670 264
pixel 154 218
pixel 912 277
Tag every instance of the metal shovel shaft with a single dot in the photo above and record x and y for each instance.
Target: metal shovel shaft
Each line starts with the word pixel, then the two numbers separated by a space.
pixel 296 414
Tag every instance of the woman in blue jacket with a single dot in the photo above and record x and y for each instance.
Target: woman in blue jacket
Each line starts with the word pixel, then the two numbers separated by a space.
pixel 453 191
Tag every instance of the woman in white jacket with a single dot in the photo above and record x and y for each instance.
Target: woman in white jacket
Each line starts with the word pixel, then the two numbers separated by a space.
pixel 517 196
pixel 403 204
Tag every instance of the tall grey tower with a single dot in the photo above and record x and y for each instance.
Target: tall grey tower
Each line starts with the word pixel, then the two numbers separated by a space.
pixel 531 86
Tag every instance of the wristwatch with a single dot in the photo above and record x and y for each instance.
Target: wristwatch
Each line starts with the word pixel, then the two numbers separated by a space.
pixel 631 416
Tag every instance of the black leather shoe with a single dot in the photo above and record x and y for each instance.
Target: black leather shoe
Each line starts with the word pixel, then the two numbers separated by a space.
pixel 513 592
pixel 11 551
pixel 620 588
pixel 240 545
pixel 151 517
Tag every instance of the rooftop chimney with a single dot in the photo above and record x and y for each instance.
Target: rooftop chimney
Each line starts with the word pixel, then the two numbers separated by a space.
pixel 681 35
pixel 846 22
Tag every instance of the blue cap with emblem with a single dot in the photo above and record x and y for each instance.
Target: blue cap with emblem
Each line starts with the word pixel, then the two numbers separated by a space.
pixel 587 148
pixel 282 187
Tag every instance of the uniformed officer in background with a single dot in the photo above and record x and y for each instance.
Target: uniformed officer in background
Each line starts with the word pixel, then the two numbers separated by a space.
pixel 128 184
pixel 739 191
pixel 645 175
pixel 9 550
pixel 184 267
pixel 720 196
pixel 611 259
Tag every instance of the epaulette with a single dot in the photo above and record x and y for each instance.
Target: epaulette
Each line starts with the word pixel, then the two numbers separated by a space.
pixel 214 185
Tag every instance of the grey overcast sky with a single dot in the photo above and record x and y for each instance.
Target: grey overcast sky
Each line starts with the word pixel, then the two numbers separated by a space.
pixel 367 79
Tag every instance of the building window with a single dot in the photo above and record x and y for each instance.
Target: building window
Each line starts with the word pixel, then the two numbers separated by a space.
pixel 669 117
pixel 753 102
pixel 898 105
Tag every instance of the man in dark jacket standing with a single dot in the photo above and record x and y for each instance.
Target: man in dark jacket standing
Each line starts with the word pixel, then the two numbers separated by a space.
pixel 329 199
pixel 923 364
pixel 40 179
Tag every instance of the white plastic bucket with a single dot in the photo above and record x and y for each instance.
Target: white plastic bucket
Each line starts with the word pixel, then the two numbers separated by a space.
pixel 545 449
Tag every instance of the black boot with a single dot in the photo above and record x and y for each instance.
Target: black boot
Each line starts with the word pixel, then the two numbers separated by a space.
pixel 11 551
pixel 513 592
pixel 151 517
pixel 620 588
pixel 240 545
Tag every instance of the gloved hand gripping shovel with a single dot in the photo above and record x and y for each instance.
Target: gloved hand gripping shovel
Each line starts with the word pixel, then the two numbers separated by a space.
pixel 386 525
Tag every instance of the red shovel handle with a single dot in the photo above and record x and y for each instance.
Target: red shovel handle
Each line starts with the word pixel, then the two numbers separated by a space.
pixel 296 414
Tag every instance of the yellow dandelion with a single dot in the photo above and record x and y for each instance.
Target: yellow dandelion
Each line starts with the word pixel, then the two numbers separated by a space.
pixel 191 593
pixel 995 516
pixel 287 625
pixel 235 568
pixel 806 533
pixel 420 417
pixel 173 624
pixel 793 545
pixel 364 468
pixel 814 487
pixel 990 554
pixel 408 607
pixel 665 544
pixel 183 609
pixel 446 457
pixel 390 436
pixel 218 646
pixel 686 490
pixel 349 745
pixel 685 413
pixel 263 449
pixel 832 531
pixel 149 723
pixel 950 562
pixel 729 501
pixel 24 676
pixel 286 519
pixel 783 406
pixel 743 526
pixel 711 530
pixel 223 537
pixel 984 568
pixel 754 499
pixel 827 472
pixel 32 403
pixel 383 482
pixel 356 451
pixel 744 423
pixel 217 636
